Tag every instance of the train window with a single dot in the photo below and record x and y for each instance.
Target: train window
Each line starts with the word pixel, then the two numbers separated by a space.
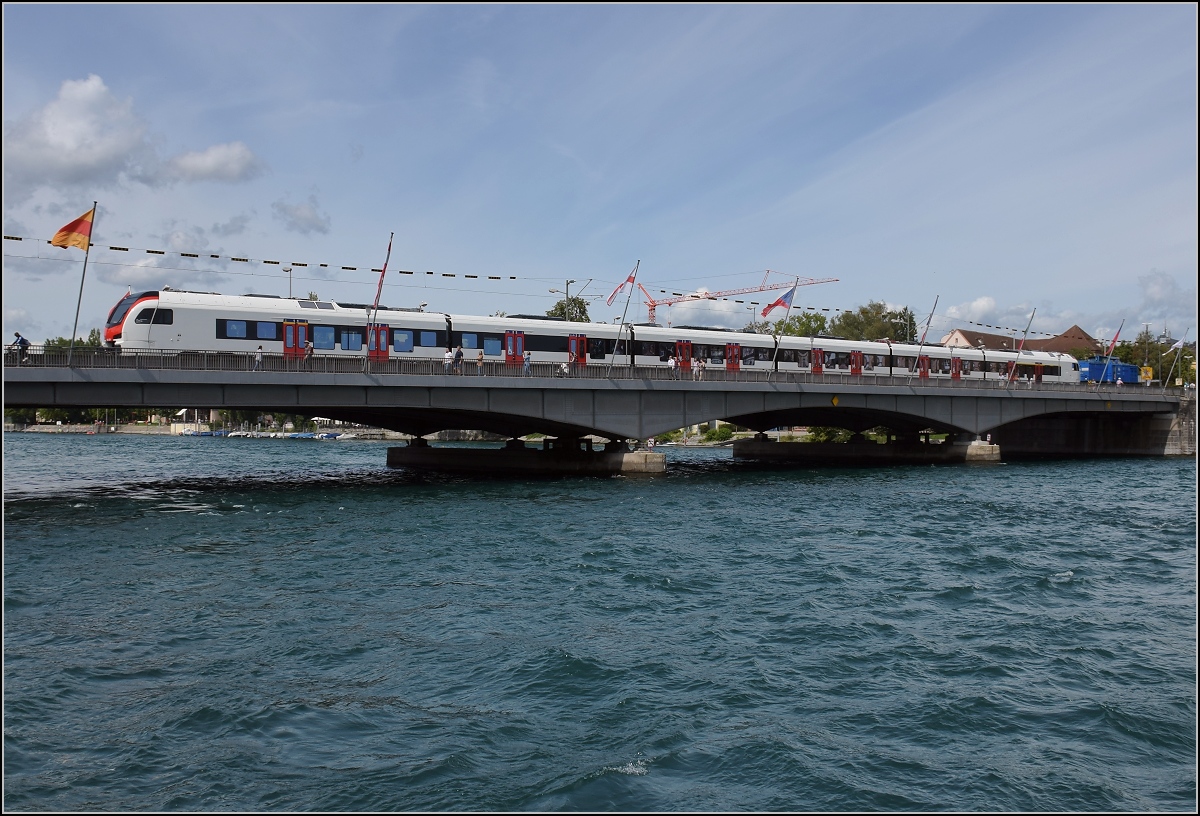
pixel 324 337
pixel 493 346
pixel 470 340
pixel 307 304
pixel 428 339
pixel 544 342
pixel 161 317
pixel 402 339
pixel 351 340
pixel 118 312
pixel 595 349
pixel 265 330
pixel 233 328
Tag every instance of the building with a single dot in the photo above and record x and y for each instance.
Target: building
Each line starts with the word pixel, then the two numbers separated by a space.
pixel 1072 339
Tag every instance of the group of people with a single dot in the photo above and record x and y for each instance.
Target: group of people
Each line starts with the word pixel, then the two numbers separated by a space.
pixel 452 361
pixel 675 366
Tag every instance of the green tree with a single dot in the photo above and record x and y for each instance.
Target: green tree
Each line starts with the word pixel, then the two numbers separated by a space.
pixel 804 324
pixel 875 321
pixel 573 309
pixel 93 339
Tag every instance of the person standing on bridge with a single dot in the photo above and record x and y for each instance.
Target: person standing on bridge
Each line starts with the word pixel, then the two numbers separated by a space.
pixel 258 359
pixel 308 354
pixel 528 359
pixel 479 363
pixel 458 360
pixel 448 360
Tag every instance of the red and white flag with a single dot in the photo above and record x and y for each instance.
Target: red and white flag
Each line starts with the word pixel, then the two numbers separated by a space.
pixel 627 282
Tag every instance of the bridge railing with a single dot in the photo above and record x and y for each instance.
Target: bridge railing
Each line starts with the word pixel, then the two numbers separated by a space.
pixel 91 357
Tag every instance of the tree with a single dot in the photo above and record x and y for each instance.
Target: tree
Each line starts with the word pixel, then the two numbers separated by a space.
pixel 93 339
pixel 805 324
pixel 573 309
pixel 875 321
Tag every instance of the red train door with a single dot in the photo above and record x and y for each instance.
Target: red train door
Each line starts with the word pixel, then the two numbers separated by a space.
pixel 295 335
pixel 577 348
pixel 683 354
pixel 856 360
pixel 923 367
pixel 818 361
pixel 514 348
pixel 955 368
pixel 1037 372
pixel 377 343
pixel 733 356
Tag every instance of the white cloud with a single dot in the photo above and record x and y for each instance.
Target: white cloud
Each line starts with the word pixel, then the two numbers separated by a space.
pixel 87 138
pixel 304 218
pixel 224 162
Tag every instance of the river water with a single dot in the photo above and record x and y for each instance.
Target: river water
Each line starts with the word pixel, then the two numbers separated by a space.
pixel 280 625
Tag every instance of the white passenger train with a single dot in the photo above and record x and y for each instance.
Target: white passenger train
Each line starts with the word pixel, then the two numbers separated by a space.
pixel 173 320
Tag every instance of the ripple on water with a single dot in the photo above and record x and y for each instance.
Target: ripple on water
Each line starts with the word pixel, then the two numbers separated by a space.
pixel 300 628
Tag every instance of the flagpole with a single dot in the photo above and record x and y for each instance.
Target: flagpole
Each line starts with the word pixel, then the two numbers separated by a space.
pixel 628 298
pixel 775 356
pixel 1020 348
pixel 920 347
pixel 378 292
pixel 82 277
pixel 1108 356
pixel 1178 352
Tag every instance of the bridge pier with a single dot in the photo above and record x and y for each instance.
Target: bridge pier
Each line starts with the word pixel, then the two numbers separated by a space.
pixel 557 457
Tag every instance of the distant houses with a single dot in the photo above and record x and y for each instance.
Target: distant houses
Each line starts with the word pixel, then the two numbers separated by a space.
pixel 1072 339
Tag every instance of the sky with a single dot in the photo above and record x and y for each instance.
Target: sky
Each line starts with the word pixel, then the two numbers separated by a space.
pixel 1000 161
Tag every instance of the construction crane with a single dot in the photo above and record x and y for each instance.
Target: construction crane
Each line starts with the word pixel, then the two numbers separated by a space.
pixel 651 303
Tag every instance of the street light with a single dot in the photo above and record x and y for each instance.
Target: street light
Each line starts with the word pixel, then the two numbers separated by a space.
pixel 567 293
pixel 421 308
pixel 288 269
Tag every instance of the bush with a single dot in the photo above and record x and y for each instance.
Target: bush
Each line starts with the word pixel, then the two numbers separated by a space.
pixel 826 434
pixel 721 434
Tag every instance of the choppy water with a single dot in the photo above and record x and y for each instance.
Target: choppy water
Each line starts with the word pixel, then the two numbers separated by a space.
pixel 256 624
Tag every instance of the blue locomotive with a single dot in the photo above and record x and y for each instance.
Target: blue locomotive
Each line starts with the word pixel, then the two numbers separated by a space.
pixel 1110 369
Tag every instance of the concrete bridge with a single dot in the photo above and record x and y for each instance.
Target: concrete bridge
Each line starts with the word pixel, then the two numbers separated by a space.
pixel 620 402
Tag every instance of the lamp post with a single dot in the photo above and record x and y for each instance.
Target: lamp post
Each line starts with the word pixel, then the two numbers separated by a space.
pixel 983 351
pixel 1146 355
pixel 566 293
pixel 421 308
pixel 288 269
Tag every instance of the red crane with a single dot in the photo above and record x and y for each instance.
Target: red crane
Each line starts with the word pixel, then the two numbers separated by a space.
pixel 651 303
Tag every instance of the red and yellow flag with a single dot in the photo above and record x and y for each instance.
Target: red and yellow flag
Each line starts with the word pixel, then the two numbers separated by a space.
pixel 76 234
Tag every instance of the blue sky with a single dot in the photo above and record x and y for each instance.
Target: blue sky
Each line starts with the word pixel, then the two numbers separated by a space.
pixel 1000 159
